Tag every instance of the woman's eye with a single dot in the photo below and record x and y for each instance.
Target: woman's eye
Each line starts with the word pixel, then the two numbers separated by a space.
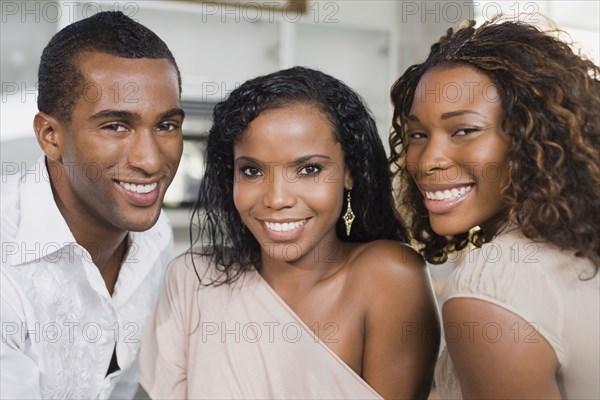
pixel 465 131
pixel 310 170
pixel 415 135
pixel 115 127
pixel 251 171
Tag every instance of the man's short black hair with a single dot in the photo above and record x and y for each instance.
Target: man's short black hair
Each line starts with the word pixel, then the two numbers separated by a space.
pixel 111 32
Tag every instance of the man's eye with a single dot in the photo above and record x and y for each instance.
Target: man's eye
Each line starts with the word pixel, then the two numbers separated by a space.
pixel 168 126
pixel 115 127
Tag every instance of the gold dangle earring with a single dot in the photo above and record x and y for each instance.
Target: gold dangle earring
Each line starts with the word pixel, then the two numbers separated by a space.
pixel 348 215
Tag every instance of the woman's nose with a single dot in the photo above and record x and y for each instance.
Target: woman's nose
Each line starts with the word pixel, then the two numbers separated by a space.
pixel 280 191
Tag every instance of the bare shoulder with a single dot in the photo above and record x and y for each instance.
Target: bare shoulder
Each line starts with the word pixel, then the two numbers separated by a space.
pixel 387 262
pixel 401 322
pixel 390 272
pixel 395 284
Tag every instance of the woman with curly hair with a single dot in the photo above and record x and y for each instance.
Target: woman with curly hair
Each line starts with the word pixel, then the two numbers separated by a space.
pixel 300 285
pixel 496 141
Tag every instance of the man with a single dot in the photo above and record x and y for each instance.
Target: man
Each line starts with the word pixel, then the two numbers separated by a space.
pixel 84 242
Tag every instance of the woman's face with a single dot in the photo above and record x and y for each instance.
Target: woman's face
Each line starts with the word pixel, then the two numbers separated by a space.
pixel 289 180
pixel 457 151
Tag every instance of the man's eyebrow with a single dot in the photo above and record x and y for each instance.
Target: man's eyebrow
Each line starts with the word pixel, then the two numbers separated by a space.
pixel 134 116
pixel 116 114
pixel 173 112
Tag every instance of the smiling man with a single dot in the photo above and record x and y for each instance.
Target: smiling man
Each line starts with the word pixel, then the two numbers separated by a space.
pixel 84 242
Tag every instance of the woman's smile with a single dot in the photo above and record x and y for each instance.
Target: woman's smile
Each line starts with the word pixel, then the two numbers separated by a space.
pixel 440 200
pixel 285 230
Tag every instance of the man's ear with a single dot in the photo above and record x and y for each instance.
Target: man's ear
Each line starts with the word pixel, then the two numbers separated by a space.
pixel 49 132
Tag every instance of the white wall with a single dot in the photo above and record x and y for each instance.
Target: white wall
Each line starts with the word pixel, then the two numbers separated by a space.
pixel 217 47
pixel 365 43
pixel 580 19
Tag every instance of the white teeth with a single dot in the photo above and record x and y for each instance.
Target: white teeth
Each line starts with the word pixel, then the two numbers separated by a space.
pixel 284 227
pixel 143 189
pixel 447 194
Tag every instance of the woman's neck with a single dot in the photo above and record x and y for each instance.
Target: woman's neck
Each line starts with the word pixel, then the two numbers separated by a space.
pixel 494 225
pixel 318 264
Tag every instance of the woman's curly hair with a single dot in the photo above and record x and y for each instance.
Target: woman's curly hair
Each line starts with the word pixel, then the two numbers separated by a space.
pixel 551 103
pixel 217 229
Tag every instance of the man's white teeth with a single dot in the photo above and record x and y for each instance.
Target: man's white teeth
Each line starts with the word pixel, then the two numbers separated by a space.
pixel 448 194
pixel 284 227
pixel 143 189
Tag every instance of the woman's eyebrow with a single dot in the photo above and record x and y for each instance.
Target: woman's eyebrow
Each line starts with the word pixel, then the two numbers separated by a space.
pixel 458 113
pixel 298 160
pixel 303 159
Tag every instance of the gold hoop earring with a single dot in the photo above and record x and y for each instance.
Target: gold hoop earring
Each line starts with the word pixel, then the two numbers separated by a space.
pixel 348 215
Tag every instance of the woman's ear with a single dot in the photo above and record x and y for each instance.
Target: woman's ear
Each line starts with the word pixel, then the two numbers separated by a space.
pixel 49 133
pixel 348 180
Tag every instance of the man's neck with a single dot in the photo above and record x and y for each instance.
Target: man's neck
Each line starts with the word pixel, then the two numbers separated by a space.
pixel 106 245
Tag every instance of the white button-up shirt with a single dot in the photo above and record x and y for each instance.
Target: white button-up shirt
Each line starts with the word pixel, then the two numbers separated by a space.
pixel 60 325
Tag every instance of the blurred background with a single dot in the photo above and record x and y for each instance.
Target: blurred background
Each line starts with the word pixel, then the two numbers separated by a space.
pixel 218 45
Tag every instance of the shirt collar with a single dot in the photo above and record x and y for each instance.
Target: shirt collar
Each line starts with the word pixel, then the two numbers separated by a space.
pixel 146 250
pixel 43 231
pixel 42 228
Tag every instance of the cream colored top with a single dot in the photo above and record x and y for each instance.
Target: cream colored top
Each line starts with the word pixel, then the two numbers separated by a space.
pixel 237 341
pixel 544 286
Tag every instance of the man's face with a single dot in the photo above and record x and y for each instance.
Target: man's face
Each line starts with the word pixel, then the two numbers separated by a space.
pixel 122 147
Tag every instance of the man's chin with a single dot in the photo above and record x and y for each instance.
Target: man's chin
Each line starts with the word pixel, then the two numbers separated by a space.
pixel 141 223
